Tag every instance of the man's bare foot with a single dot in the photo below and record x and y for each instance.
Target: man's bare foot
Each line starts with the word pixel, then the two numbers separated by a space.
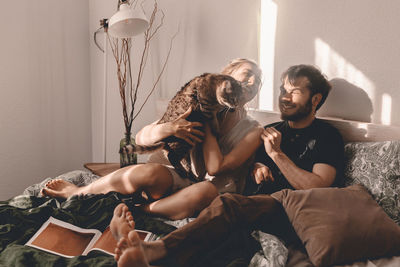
pixel 130 252
pixel 60 188
pixel 122 222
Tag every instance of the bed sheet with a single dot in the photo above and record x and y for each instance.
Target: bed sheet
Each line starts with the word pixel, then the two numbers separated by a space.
pixel 22 216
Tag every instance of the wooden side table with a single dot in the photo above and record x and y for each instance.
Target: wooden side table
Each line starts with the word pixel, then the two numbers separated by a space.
pixel 101 169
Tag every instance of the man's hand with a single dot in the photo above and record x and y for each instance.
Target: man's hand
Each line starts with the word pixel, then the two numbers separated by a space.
pixel 272 140
pixel 187 130
pixel 261 173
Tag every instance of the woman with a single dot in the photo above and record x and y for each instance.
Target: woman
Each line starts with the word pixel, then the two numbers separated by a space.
pixel 226 161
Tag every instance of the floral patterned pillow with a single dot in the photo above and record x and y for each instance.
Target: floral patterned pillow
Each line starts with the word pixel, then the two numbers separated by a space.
pixel 376 165
pixel 273 252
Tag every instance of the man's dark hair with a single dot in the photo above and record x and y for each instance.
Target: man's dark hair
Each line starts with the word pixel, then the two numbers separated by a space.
pixel 317 81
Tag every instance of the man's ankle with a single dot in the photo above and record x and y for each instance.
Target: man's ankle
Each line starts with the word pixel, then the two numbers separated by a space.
pixel 155 250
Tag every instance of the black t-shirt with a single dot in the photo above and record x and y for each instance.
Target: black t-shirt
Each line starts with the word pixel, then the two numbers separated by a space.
pixel 318 143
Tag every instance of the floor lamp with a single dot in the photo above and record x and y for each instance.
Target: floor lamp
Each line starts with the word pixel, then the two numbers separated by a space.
pixel 125 23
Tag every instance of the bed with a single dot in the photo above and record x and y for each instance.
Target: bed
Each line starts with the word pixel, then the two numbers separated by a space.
pixel 372 155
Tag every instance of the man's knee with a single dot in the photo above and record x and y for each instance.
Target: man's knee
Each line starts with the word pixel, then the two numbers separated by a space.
pixel 244 208
pixel 225 205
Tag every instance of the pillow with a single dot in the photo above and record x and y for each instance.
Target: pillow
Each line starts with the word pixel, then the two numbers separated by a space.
pixel 376 165
pixel 340 225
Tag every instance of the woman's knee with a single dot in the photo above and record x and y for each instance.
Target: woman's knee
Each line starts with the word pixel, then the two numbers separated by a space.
pixel 202 194
pixel 155 173
pixel 149 175
pixel 157 180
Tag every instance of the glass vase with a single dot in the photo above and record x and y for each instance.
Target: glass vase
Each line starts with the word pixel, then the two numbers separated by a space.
pixel 126 155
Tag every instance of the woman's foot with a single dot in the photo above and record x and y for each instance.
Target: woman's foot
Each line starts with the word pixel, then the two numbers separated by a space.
pixel 122 222
pixel 130 252
pixel 60 188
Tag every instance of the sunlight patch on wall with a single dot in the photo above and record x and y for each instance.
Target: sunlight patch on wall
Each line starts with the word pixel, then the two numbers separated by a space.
pixel 386 109
pixel 334 65
pixel 267 51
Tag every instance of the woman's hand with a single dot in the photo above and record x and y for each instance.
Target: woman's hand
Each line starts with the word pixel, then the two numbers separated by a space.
pixel 181 128
pixel 186 130
pixel 261 173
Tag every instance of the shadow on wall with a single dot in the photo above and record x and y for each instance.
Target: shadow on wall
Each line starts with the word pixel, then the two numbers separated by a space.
pixel 347 101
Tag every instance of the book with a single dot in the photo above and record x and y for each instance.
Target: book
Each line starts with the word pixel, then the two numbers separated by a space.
pixel 67 240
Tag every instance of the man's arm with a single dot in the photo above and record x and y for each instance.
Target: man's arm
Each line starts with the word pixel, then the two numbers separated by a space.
pixel 322 175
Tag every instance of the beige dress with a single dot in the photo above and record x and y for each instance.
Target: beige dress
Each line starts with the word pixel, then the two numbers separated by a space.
pixel 233 181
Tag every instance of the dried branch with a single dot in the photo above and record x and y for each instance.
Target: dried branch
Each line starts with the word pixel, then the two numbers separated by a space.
pixel 121 52
pixel 146 45
pixel 158 78
pixel 147 38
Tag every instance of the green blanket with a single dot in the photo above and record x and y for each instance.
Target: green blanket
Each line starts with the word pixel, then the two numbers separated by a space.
pixel 22 216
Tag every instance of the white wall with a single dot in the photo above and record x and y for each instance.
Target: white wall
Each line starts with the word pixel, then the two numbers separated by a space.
pixel 44 91
pixel 356 43
pixel 210 34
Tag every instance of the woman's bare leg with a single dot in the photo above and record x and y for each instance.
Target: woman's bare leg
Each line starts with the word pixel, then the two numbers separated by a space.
pixel 187 202
pixel 154 178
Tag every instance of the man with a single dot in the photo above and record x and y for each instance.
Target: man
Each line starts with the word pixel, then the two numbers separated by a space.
pixel 300 152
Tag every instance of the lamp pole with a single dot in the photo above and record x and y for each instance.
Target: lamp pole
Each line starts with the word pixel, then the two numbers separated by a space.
pixel 104 24
pixel 105 100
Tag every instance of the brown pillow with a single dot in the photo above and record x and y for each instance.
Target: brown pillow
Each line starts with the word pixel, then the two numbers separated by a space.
pixel 340 225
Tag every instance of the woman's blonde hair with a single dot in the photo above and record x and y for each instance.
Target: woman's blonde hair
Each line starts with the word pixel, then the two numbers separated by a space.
pixel 236 63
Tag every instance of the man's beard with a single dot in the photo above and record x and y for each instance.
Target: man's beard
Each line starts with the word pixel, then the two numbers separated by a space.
pixel 302 112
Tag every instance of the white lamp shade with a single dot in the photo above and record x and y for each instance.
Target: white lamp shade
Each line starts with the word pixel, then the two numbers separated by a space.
pixel 127 22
